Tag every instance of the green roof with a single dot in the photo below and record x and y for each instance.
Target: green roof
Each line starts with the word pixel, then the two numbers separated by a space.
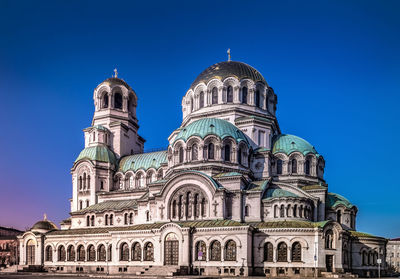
pixel 289 143
pixel 143 161
pixel 272 193
pixel 98 153
pixel 362 234
pixel 116 205
pixel 313 187
pixel 288 224
pixel 211 126
pixel 334 200
pixel 100 127
pixel 227 174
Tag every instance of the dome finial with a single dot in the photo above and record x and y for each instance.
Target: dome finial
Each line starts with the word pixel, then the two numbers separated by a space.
pixel 45 217
pixel 229 54
pixel 115 73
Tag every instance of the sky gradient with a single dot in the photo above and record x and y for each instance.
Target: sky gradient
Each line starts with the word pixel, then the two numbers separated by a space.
pixel 334 65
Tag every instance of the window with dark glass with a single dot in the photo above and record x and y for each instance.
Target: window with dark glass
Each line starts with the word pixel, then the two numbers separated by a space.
pixel 201 251
pixel 257 98
pixel 124 256
pixel 279 166
pixel 105 101
pixel 240 156
pixel 92 220
pixel 211 151
pixel 49 254
pixel 180 154
pixel 230 251
pixel 246 211
pixel 191 104
pixel 101 253
pixel 81 253
pixel 195 152
pixel 229 94
pixel 136 252
pixel 339 216
pixel 201 99
pixel 294 166
pixel 244 95
pixel 215 251
pixel 118 101
pixel 282 211
pixel 148 252
pixel 91 252
pixel 111 220
pixel 282 252
pixel 296 252
pixel 71 253
pixel 214 96
pixel 329 239
pixel 61 254
pixel 109 255
pixel 87 221
pixel 268 252
pixel 227 153
pixel 307 167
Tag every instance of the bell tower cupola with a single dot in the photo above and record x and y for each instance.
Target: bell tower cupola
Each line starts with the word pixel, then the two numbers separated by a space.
pixel 115 109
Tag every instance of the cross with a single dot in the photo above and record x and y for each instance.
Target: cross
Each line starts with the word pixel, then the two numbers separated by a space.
pixel 266 212
pixel 215 204
pixel 115 73
pixel 229 54
pixel 45 217
pixel 118 220
pixel 162 211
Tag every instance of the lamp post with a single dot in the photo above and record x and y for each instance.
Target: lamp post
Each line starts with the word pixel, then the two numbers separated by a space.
pixel 379 261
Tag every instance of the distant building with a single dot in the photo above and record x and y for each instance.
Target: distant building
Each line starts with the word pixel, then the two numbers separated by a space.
pixel 230 195
pixel 8 246
pixel 393 255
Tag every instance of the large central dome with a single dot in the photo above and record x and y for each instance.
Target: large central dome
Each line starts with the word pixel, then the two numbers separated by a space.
pixel 226 69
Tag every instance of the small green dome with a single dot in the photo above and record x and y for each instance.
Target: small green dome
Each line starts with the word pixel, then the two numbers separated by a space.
pixel 98 153
pixel 289 143
pixel 100 127
pixel 272 193
pixel 211 126
pixel 333 200
pixel 44 225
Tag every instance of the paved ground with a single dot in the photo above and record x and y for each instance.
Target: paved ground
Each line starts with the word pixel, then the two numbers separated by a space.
pixel 74 276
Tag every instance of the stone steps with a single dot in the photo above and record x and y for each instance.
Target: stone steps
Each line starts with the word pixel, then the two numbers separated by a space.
pixel 159 270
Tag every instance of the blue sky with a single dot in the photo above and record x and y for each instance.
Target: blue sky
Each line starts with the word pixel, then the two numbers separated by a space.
pixel 334 65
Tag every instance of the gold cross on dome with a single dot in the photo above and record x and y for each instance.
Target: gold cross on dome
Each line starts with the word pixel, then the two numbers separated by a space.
pixel 115 73
pixel 229 54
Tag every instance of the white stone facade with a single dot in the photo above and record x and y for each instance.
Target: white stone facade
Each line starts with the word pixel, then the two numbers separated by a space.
pixel 231 195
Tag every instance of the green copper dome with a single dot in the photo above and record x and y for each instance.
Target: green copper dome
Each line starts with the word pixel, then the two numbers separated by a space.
pixel 143 161
pixel 98 153
pixel 226 69
pixel 272 193
pixel 333 200
pixel 289 143
pixel 211 126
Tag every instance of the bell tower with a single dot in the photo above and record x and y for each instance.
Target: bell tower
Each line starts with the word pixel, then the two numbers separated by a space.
pixel 115 108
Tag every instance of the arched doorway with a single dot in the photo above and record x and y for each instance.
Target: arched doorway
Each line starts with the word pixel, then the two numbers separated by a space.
pixel 171 249
pixel 30 252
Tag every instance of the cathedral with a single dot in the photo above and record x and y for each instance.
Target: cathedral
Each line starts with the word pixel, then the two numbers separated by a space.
pixel 230 195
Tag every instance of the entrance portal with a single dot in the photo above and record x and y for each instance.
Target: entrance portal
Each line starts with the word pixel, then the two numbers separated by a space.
pixel 171 249
pixel 329 263
pixel 30 252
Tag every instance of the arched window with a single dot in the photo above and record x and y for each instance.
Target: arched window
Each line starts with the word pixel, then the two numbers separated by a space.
pixel 181 154
pixel 195 152
pixel 136 252
pixel 244 95
pixel 364 258
pixel 174 209
pixel 49 254
pixel 276 211
pixel 214 96
pixel 101 185
pixel 203 207
pixel 307 167
pixel 257 98
pixel 105 101
pixel 230 251
pixel 106 220
pixel 268 252
pixel 81 253
pixel 227 153
pixel 87 203
pixel 279 166
pixel 147 216
pixel 282 252
pixel 295 210
pixel 109 255
pixel 92 221
pixel 282 211
pixel 87 221
pixel 211 151
pixel 329 239
pixel 80 182
pixel 201 99
pixel 296 252
pixel 215 251
pixel 118 101
pixel 91 252
pixel 130 218
pixel 191 104
pixel 139 180
pixel 84 181
pixel 124 255
pixel 88 182
pixel 71 253
pixel 126 219
pixel 101 253
pixel 148 252
pixel 201 247
pixel 80 204
pixel 229 94
pixel 339 216
pixel 240 156
pixel 246 211
pixel 294 166
pixel 111 220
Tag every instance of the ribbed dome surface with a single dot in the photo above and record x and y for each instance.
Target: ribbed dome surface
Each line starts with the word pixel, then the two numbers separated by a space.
pixel 333 200
pixel 289 143
pixel 98 153
pixel 44 225
pixel 226 69
pixel 211 126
